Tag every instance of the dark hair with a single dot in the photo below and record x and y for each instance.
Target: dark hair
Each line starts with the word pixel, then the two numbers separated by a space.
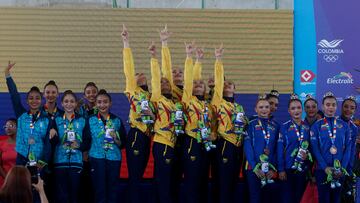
pixel 90 84
pixel 328 97
pixel 11 120
pixel 261 97
pixel 273 93
pixel 17 186
pixel 321 113
pixel 103 92
pixel 68 92
pixel 310 99
pixel 294 100
pixel 51 82
pixel 33 89
pixel 349 99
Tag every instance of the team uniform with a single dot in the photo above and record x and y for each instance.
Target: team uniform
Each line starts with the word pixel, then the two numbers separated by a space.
pixel 261 138
pixel 138 138
pixel 228 145
pixel 290 139
pixel 68 162
pixel 330 140
pixel 164 137
pixel 105 156
pixel 198 116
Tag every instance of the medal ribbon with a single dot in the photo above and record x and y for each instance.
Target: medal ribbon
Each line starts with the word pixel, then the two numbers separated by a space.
pixel 266 135
pixel 332 135
pixel 33 121
pixel 105 125
pixel 67 128
pixel 300 135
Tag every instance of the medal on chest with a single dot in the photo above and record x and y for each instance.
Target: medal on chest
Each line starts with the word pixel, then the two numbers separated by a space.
pixel 332 136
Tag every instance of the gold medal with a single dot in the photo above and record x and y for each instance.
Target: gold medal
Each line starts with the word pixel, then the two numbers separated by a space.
pixel 333 150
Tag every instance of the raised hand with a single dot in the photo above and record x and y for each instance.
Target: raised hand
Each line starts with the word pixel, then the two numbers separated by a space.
pixel 125 36
pixel 199 53
pixel 164 35
pixel 189 48
pixel 39 186
pixel 152 49
pixel 219 52
pixel 8 68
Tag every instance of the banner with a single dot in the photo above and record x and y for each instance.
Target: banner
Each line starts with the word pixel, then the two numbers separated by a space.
pixel 327 39
pixel 338 41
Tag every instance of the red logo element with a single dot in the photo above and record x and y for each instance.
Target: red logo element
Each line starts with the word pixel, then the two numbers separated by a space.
pixel 307 76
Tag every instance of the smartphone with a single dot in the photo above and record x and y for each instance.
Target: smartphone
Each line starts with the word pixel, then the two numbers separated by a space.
pixel 34 174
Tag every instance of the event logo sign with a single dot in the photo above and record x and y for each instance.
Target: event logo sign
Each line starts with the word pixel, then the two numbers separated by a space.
pixel 330 51
pixel 341 79
pixel 306 77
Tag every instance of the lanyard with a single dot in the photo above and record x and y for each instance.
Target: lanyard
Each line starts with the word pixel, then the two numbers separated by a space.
pixel 33 121
pixel 68 128
pixel 300 135
pixel 266 135
pixel 332 135
pixel 106 125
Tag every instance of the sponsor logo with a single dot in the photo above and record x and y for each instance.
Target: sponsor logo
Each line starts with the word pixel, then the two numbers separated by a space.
pixel 333 44
pixel 307 77
pixel 330 51
pixel 342 78
pixel 303 95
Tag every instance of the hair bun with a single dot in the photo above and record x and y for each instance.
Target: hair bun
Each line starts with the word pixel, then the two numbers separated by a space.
pixel 102 91
pixel 328 94
pixel 294 96
pixel 262 96
pixel 35 89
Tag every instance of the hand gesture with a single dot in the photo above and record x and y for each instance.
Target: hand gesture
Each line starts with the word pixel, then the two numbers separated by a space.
pixel 270 174
pixel 39 186
pixel 189 48
pixel 152 49
pixel 164 34
pixel 74 145
pixel 282 176
pixel 260 174
pixel 219 52
pixel 125 36
pixel 199 53
pixel 8 68
pixel 52 133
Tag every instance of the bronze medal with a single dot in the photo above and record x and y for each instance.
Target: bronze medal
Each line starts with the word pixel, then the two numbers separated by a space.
pixel 333 150
pixel 267 151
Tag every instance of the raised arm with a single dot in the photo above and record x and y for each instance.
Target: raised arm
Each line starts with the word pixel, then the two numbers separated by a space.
pixel 198 65
pixel 128 61
pixel 155 75
pixel 219 77
pixel 188 74
pixel 166 66
pixel 14 94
